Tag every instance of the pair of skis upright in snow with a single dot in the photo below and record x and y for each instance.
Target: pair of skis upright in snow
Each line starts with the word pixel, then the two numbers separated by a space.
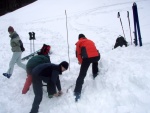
pixel 136 25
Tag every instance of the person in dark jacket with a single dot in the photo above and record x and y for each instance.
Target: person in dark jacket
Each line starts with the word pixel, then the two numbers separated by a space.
pixel 86 53
pixel 48 73
pixel 17 49
pixel 120 41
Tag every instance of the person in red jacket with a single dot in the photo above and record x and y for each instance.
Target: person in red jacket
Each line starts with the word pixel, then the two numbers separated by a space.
pixel 86 53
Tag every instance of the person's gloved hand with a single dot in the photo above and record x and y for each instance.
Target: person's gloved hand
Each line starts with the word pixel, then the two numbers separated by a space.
pixel 56 94
pixel 60 93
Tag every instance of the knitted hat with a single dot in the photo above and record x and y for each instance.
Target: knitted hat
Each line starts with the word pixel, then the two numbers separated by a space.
pixel 64 64
pixel 81 36
pixel 10 29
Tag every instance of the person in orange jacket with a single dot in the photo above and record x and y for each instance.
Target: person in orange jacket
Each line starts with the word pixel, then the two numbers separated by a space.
pixel 86 53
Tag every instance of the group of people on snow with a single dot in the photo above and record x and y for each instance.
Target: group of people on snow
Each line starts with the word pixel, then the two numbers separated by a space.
pixel 40 69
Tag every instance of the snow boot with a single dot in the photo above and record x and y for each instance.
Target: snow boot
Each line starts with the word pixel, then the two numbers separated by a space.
pixel 7 75
pixel 94 76
pixel 77 95
pixel 50 96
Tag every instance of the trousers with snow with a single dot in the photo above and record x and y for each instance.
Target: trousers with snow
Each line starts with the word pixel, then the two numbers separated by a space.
pixel 16 58
pixel 38 90
pixel 83 70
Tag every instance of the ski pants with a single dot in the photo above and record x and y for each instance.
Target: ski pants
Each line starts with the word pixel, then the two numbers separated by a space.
pixel 83 70
pixel 38 91
pixel 37 88
pixel 16 58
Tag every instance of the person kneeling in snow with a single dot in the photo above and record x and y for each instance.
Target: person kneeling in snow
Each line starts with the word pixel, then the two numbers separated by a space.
pixel 42 57
pixel 31 64
pixel 120 41
pixel 48 73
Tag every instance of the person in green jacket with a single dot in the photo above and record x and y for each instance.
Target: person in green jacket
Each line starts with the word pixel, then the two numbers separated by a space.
pixel 42 57
pixel 17 49
pixel 31 64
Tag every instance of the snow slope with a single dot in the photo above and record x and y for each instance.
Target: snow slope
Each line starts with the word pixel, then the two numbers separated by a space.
pixel 123 83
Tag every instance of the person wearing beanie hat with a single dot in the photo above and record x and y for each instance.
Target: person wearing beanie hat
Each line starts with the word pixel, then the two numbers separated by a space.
pixel 48 73
pixel 81 36
pixel 10 29
pixel 17 49
pixel 86 53
pixel 64 64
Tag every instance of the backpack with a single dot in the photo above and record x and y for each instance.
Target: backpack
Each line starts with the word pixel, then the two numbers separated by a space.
pixel 21 46
pixel 44 50
pixel 120 41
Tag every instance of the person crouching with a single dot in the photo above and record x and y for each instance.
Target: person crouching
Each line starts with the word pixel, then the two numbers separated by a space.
pixel 49 73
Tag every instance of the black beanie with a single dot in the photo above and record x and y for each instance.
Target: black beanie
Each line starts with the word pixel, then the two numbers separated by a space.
pixel 81 36
pixel 64 64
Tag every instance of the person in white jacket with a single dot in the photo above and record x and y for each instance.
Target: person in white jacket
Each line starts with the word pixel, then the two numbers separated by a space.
pixel 17 49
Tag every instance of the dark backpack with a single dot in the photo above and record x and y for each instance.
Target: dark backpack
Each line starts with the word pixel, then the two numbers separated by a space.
pixel 21 46
pixel 120 41
pixel 44 50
